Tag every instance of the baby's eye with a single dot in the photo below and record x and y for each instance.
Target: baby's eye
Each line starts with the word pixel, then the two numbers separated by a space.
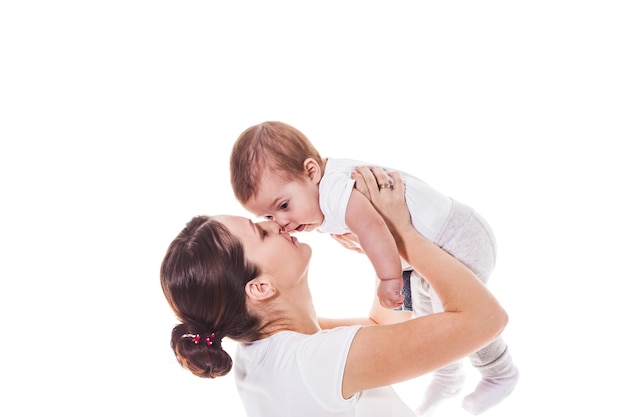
pixel 283 206
pixel 268 217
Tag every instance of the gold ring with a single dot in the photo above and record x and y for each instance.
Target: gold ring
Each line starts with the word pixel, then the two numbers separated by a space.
pixel 384 185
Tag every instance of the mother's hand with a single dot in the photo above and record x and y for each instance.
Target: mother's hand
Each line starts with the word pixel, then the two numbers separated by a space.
pixel 386 192
pixel 349 241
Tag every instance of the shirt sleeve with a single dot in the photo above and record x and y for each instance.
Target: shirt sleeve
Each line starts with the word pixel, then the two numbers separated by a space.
pixel 294 374
pixel 322 359
pixel 335 191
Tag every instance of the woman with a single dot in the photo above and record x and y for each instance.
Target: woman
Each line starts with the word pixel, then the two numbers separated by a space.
pixel 225 276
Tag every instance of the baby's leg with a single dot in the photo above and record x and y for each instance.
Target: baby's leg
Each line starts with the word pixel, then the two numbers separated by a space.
pixel 469 238
pixel 448 381
pixel 499 377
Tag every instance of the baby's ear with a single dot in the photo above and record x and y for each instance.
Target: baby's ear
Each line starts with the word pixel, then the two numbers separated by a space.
pixel 313 170
pixel 260 288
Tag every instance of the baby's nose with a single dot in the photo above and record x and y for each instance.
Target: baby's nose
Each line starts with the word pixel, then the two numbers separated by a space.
pixel 281 221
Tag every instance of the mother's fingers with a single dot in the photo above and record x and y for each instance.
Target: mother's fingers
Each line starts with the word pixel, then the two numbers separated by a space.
pixel 396 181
pixel 389 201
pixel 382 178
pixel 365 182
pixel 359 183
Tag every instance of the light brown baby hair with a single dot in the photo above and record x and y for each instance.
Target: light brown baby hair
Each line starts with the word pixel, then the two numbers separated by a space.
pixel 276 146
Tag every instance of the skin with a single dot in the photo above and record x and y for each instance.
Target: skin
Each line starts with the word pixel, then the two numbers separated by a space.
pixel 290 203
pixel 282 289
pixel 379 355
pixel 294 205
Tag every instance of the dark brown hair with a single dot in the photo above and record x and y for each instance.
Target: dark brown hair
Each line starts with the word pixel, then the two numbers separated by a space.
pixel 269 145
pixel 203 276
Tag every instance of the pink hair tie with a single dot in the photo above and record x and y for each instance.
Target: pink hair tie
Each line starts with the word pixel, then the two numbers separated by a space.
pixel 209 338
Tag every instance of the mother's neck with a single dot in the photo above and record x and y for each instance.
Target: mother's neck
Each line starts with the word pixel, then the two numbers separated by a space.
pixel 289 310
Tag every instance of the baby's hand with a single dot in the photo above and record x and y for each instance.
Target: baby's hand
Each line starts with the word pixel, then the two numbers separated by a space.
pixel 390 292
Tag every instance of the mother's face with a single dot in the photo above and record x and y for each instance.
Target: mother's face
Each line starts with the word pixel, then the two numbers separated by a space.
pixel 274 251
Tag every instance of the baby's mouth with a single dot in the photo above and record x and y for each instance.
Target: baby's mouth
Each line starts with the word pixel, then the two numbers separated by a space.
pixel 300 228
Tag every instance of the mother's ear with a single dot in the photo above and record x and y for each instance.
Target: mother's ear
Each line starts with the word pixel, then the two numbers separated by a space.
pixel 260 288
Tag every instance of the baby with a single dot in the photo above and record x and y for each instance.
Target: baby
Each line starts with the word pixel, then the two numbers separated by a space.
pixel 276 173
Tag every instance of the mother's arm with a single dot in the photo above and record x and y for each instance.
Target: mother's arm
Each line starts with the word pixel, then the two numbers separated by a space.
pixel 378 314
pixel 471 317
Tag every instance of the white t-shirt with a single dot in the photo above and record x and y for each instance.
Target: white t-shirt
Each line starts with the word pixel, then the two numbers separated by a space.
pixel 292 374
pixel 429 208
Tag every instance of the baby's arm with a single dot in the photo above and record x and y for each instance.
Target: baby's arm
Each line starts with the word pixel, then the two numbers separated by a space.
pixel 378 244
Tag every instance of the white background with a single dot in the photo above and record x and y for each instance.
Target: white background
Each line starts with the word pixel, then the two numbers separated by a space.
pixel 116 121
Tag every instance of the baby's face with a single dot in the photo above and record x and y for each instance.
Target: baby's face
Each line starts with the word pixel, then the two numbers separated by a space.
pixel 293 204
